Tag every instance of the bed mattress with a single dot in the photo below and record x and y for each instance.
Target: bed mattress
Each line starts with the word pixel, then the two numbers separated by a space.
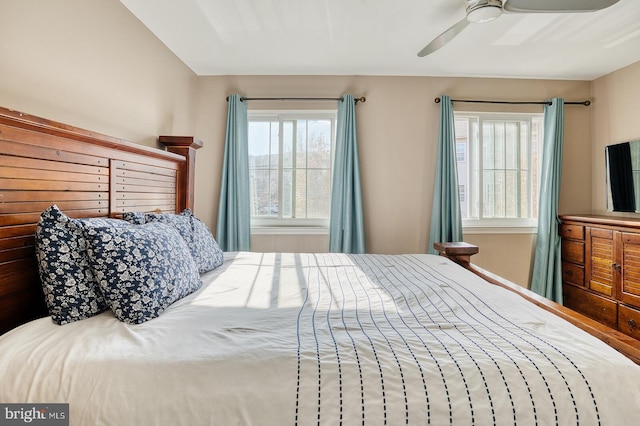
pixel 298 339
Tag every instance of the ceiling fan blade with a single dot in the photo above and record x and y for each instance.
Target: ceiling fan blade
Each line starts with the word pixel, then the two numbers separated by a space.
pixel 444 38
pixel 556 6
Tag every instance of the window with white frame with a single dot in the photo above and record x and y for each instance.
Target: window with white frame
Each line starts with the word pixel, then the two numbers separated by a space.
pixel 499 177
pixel 290 168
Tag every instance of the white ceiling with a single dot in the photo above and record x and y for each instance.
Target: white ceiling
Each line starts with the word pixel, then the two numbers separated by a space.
pixel 383 37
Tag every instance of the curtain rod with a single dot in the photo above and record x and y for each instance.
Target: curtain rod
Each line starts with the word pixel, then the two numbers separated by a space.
pixel 583 103
pixel 244 98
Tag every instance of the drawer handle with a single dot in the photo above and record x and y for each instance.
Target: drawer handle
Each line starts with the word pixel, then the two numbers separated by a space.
pixel 616 267
pixel 632 324
pixel 569 272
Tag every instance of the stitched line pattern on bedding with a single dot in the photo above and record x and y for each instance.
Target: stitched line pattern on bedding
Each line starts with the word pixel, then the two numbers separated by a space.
pixel 393 329
pixel 529 340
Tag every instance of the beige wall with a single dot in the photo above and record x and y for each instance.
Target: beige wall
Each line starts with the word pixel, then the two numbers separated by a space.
pixel 615 118
pixel 397 134
pixel 92 64
pixel 290 243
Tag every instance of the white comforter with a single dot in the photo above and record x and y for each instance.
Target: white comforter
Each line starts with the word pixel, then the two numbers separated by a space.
pixel 286 339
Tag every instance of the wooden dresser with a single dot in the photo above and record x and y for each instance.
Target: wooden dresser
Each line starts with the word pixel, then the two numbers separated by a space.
pixel 601 269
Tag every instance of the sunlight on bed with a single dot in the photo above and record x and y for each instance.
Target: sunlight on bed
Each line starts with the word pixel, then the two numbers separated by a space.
pixel 289 275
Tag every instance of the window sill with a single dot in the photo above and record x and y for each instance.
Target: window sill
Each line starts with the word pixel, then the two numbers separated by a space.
pixel 477 230
pixel 289 230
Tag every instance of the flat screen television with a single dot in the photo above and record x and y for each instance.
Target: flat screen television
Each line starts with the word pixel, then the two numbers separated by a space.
pixel 623 176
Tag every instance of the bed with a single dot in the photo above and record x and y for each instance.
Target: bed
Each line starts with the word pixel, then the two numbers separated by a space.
pixel 283 338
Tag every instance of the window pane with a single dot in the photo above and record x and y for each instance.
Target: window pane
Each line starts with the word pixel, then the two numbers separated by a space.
pixel 275 146
pixel 511 193
pixel 318 193
pixel 488 196
pixel 537 133
pixel 526 201
pixel 500 195
pixel 287 144
pixel 488 148
pixel 259 135
pixel 461 151
pixel 301 191
pixel 525 152
pixel 273 193
pixel 287 193
pixel 462 141
pixel 301 144
pixel 475 174
pixel 499 145
pixel 319 144
pixel 261 200
pixel 511 146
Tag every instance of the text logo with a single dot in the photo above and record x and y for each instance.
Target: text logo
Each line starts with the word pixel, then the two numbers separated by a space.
pixel 34 414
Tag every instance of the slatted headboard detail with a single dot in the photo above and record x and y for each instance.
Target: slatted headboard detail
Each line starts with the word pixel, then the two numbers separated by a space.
pixel 86 174
pixel 142 187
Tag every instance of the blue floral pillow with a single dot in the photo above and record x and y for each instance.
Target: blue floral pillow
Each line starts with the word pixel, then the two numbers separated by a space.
pixel 142 269
pixel 136 218
pixel 70 289
pixel 204 248
pixel 179 223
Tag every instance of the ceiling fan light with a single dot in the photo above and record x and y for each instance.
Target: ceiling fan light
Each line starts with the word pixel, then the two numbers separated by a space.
pixel 484 11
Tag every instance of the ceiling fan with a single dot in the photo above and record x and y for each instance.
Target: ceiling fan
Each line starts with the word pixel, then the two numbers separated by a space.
pixel 480 11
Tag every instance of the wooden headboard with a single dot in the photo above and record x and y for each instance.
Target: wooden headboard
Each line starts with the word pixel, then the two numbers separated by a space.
pixel 86 174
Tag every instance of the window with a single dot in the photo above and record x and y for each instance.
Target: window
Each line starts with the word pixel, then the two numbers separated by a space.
pixel 499 177
pixel 290 167
pixel 461 151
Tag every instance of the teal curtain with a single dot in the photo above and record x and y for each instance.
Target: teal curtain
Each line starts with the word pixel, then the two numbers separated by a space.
pixel 234 229
pixel 547 269
pixel 346 224
pixel 446 219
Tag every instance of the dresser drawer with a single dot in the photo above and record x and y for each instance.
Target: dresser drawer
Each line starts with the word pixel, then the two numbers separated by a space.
pixel 629 321
pixel 597 307
pixel 573 251
pixel 572 231
pixel 573 273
